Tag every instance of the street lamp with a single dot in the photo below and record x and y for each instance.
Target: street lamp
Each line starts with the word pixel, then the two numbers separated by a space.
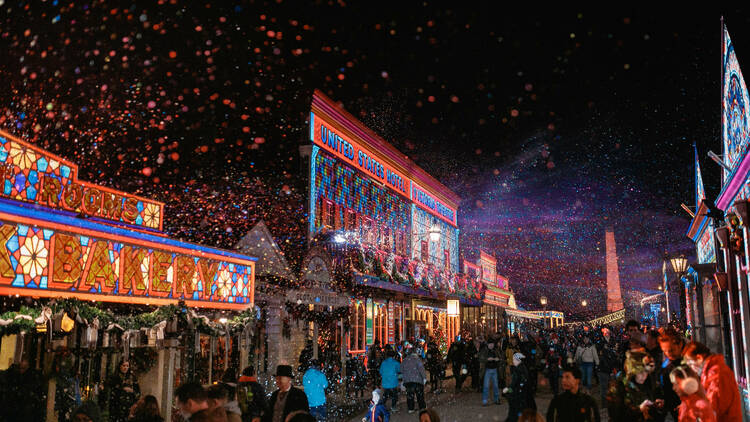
pixel 543 301
pixel 584 303
pixel 679 265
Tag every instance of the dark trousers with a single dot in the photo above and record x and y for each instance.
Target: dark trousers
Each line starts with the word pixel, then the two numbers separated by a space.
pixel 414 389
pixel 435 379
pixel 393 393
pixel 458 376
pixel 515 407
pixel 554 382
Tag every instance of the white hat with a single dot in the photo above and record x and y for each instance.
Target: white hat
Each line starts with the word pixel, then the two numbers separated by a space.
pixel 518 356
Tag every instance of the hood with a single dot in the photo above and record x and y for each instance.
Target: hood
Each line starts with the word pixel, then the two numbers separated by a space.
pixel 233 407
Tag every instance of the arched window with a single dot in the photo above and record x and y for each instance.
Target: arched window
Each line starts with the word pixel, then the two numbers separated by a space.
pixel 379 324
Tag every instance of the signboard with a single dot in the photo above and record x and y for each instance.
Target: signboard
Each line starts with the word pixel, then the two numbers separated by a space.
pixel 502 282
pixel 48 255
pixel 433 205
pixel 344 148
pixel 609 318
pixel 370 315
pixel 317 296
pixel 735 108
pixel 33 175
pixel 705 246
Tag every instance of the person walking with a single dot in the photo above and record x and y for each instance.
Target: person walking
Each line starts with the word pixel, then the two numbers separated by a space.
pixel 491 358
pixel 717 380
pixel 456 355
pixel 374 359
pixel 414 376
pixel 123 392
pixel 315 383
pixel 607 362
pixel 572 405
pixel 286 399
pixel 516 391
pixel 146 409
pixel 435 366
pixel 251 396
pixel 192 402
pixel 587 357
pixel 671 342
pixel 635 395
pixel 553 363
pixel 694 404
pixel 377 412
pixel 389 372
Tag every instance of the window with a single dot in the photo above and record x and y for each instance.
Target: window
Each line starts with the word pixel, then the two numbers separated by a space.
pixel 386 239
pixel 350 221
pixel 367 231
pixel 425 251
pixel 380 324
pixel 447 255
pixel 357 335
pixel 400 243
pixel 329 214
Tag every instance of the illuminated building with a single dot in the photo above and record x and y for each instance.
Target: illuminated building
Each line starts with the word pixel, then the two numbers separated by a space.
pixel 62 238
pixel 395 222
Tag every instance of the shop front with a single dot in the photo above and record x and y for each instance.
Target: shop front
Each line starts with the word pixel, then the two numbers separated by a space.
pixel 731 234
pixel 90 280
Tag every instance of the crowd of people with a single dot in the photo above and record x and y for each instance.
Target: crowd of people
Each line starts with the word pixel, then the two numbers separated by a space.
pixel 642 375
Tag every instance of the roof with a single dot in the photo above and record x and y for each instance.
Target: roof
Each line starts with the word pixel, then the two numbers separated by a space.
pixel 259 242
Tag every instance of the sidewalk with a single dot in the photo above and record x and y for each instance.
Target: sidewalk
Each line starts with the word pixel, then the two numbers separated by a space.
pixel 466 406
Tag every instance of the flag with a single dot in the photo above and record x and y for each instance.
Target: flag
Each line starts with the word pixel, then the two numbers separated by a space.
pixel 664 273
pixel 700 192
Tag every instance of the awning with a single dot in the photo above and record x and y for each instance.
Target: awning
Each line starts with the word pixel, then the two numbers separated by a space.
pixel 522 314
pixel 385 285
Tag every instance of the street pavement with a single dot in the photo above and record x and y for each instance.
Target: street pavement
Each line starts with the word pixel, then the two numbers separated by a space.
pixel 467 406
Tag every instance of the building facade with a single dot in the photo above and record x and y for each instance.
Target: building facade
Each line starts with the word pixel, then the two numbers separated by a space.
pixel 398 226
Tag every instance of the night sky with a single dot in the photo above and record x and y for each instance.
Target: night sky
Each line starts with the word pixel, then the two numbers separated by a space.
pixel 550 126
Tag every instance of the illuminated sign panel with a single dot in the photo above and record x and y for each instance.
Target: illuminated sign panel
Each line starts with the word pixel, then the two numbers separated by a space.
pixel 352 153
pixel 489 268
pixel 427 201
pixel 705 245
pixel 48 255
pixel 502 282
pixel 30 174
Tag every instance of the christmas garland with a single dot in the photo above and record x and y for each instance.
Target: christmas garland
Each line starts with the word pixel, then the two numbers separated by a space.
pixel 27 318
pixel 324 317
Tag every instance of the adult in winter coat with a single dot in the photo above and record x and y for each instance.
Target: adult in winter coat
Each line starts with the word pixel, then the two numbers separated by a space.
pixel 315 383
pixel 123 392
pixel 218 398
pixel 717 379
pixel 434 365
pixel 587 357
pixel 572 405
pixel 414 377
pixel 456 355
pixel 607 364
pixel 377 412
pixel 389 371
pixel 286 399
pixel 694 405
pixel 251 396
pixel 553 363
pixel 491 358
pixel 635 395
pixel 516 391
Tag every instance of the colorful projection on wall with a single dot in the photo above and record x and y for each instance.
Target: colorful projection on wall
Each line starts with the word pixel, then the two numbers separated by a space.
pixel 735 107
pixel 489 268
pixel 705 246
pixel 30 174
pixel 68 257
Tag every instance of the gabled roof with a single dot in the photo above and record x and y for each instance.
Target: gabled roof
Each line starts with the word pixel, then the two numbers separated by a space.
pixel 271 262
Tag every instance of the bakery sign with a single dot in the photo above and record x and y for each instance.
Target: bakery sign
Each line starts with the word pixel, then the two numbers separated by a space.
pixel 43 254
pixel 33 175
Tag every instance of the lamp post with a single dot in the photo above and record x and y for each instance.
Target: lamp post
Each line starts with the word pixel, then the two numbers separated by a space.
pixel 679 265
pixel 543 301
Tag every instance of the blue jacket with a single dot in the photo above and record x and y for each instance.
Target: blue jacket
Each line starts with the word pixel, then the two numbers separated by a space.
pixel 378 413
pixel 315 383
pixel 389 370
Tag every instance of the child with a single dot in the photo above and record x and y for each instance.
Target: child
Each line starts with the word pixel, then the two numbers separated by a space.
pixel 377 411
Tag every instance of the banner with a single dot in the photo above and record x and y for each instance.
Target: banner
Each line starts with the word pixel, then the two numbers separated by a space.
pixel 735 108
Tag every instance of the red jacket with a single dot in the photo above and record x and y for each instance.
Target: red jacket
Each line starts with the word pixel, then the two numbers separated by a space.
pixel 696 408
pixel 721 389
